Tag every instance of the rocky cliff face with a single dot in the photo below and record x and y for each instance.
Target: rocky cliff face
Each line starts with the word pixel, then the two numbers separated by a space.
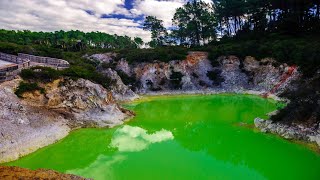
pixel 229 73
pixel 233 77
pixel 41 119
pixel 158 76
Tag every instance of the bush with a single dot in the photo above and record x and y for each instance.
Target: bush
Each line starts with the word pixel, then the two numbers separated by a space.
pixel 76 72
pixel 40 74
pixel 28 87
pixel 304 103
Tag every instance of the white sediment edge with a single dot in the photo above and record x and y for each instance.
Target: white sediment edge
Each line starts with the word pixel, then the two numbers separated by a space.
pixel 30 143
pixel 212 92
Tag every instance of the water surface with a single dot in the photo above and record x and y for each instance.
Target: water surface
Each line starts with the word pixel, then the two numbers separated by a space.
pixel 182 137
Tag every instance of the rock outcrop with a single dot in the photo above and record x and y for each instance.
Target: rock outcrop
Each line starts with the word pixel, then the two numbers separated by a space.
pixel 87 103
pixel 291 132
pixel 120 91
pixel 157 75
pixel 42 119
pixel 234 78
pixel 124 66
pixel 106 57
pixel 265 74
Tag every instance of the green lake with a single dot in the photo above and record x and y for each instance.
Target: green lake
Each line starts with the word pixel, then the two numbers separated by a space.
pixel 182 137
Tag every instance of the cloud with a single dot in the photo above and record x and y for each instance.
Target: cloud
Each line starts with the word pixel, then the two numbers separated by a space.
pixel 53 15
pixel 132 139
pixel 163 10
pixel 99 6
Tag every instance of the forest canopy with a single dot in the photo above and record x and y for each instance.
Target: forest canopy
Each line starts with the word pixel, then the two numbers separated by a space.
pixel 198 23
pixel 70 40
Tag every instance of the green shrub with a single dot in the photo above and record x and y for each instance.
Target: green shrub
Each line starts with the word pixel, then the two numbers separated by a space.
pixel 76 72
pixel 40 74
pixel 28 87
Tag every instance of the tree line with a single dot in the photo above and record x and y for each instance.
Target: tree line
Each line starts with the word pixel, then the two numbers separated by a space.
pixel 198 23
pixel 70 40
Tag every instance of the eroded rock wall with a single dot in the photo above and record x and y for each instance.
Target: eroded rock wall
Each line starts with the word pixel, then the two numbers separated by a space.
pixel 229 74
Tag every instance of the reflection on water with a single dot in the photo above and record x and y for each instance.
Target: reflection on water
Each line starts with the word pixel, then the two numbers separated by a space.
pixel 130 139
pixel 101 168
pixel 124 139
pixel 182 138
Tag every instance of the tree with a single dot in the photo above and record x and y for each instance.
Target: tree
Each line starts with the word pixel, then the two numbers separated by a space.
pixel 194 23
pixel 158 31
pixel 138 41
pixel 230 15
pixel 261 16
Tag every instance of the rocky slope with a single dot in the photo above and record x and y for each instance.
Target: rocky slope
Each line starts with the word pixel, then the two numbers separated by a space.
pixel 38 119
pixel 17 173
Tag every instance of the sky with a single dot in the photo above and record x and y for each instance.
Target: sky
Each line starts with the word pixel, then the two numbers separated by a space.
pixel 122 17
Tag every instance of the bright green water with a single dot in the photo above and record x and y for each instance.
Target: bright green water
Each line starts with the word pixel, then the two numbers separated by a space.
pixel 186 137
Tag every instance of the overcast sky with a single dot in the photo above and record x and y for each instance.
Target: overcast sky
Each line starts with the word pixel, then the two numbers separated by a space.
pixel 122 17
